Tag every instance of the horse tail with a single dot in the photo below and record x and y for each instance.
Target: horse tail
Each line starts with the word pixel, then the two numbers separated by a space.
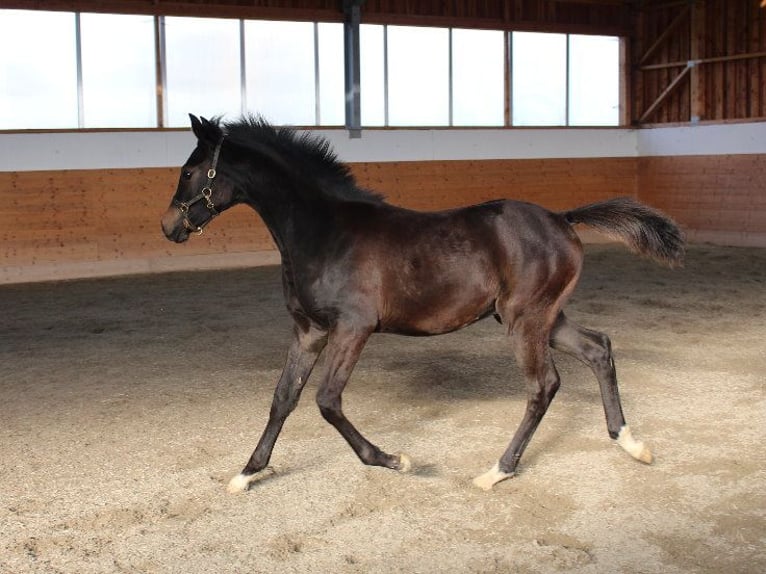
pixel 642 229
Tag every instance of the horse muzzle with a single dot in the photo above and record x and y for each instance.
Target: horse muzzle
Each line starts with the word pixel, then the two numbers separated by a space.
pixel 173 225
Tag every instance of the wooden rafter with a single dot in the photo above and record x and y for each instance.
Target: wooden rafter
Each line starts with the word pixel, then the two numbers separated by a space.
pixel 665 93
pixel 662 38
pixel 681 63
pixel 682 17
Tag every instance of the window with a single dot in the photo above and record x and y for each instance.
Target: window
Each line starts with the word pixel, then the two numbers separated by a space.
pixel 594 64
pixel 372 56
pixel 38 70
pixel 203 68
pixel 280 71
pixel 118 71
pixel 332 87
pixel 418 76
pixel 539 63
pixel 478 78
pixel 80 70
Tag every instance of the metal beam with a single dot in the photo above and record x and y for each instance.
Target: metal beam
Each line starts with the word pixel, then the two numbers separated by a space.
pixel 352 12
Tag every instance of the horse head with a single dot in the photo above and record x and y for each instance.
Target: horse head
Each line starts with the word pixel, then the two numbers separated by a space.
pixel 202 193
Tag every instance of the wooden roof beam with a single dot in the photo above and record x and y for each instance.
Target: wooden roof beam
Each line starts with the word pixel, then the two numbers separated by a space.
pixel 662 38
pixel 665 93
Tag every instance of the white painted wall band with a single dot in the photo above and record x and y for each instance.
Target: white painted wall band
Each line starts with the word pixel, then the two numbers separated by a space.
pixel 146 149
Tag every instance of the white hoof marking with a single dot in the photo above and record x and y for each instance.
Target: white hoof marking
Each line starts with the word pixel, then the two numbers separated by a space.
pixel 239 483
pixel 405 463
pixel 490 478
pixel 635 448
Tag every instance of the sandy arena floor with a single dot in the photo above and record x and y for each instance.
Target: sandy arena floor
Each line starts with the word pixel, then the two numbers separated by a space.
pixel 127 404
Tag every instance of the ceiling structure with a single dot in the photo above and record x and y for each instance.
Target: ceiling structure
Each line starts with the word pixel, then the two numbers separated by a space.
pixel 577 16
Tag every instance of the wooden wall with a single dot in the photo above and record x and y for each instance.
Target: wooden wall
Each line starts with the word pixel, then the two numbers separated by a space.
pixel 726 42
pixel 555 183
pixel 610 17
pixel 81 223
pixel 719 199
pixel 84 223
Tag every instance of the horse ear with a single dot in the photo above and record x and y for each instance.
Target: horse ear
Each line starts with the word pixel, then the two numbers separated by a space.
pixel 197 127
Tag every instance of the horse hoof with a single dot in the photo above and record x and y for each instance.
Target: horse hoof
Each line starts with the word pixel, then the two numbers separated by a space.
pixel 646 456
pixel 240 483
pixel 635 448
pixel 490 478
pixel 405 463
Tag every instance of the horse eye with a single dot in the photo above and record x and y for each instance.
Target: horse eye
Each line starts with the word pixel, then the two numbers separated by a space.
pixel 187 174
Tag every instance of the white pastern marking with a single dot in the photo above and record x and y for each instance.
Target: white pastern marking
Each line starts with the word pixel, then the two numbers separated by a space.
pixel 490 478
pixel 633 447
pixel 405 463
pixel 239 483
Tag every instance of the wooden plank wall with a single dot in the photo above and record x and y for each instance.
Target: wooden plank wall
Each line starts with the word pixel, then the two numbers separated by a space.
pixel 79 223
pixel 726 37
pixel 554 183
pixel 718 199
pixel 82 223
pixel 610 17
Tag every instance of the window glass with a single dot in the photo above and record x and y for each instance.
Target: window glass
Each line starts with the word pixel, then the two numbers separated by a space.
pixel 203 70
pixel 418 76
pixel 594 72
pixel 118 71
pixel 372 74
pixel 294 73
pixel 332 88
pixel 38 70
pixel 478 78
pixel 539 79
pixel 280 71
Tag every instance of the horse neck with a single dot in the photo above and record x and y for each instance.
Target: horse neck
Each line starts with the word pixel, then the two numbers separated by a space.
pixel 293 219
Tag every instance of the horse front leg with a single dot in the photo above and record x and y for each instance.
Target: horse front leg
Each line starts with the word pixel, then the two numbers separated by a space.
pixel 343 351
pixel 301 357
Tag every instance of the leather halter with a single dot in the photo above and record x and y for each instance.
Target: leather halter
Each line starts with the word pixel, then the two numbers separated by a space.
pixel 205 193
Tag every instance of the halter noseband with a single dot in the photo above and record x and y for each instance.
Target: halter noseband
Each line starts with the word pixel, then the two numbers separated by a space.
pixel 205 193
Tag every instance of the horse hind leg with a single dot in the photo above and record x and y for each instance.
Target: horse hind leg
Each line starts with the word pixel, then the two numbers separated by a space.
pixel 595 350
pixel 543 381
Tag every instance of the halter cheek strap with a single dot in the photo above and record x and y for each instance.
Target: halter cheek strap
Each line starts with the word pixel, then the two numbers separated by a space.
pixel 205 193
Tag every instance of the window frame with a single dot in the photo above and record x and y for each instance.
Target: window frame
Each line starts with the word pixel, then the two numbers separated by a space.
pixel 161 63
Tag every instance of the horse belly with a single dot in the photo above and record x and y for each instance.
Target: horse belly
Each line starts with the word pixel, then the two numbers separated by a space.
pixel 433 306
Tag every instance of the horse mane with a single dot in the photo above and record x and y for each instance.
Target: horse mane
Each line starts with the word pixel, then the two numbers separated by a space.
pixel 306 157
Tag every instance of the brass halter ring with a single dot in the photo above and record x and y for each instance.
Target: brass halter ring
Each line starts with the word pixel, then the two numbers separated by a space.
pixel 205 193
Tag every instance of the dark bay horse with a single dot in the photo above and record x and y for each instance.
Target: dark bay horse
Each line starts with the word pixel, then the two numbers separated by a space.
pixel 354 265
